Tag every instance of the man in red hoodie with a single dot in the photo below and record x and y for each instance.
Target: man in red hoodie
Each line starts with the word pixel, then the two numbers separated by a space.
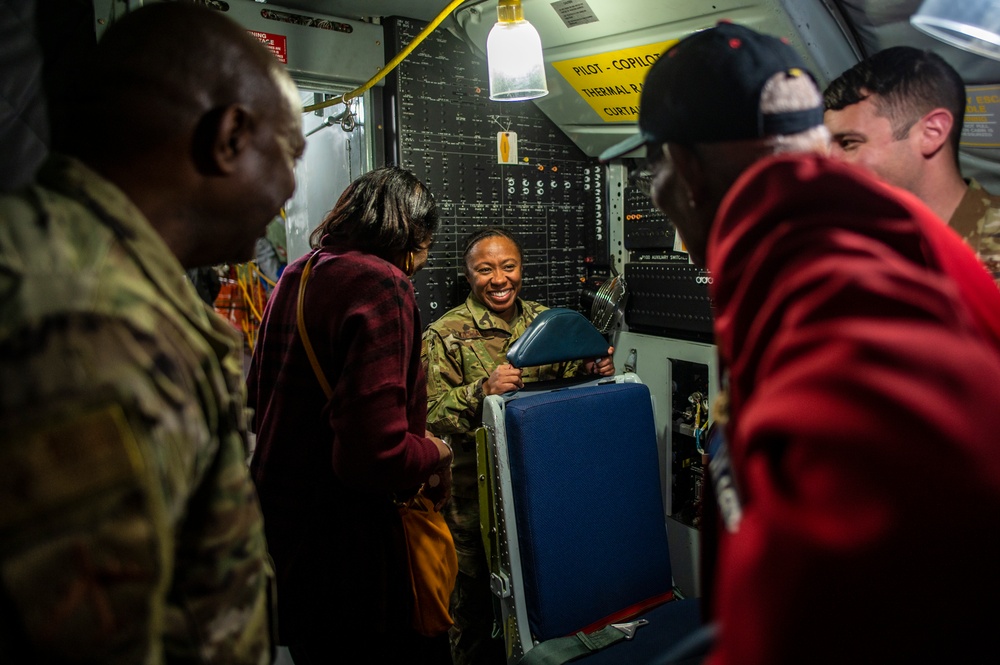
pixel 860 341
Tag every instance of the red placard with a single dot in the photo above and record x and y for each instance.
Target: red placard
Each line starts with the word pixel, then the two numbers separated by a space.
pixel 278 44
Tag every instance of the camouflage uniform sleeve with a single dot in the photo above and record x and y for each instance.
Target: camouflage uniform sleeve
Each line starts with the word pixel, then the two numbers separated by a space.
pixel 989 242
pixel 977 220
pixel 222 599
pixel 128 531
pixel 453 406
pixel 570 369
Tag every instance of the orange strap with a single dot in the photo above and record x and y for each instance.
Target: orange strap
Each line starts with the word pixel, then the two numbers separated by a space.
pixel 300 320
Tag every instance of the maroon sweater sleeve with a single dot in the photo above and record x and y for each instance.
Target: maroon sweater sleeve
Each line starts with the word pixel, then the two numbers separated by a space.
pixel 378 408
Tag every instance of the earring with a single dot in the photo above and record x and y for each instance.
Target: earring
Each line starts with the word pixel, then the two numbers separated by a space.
pixel 408 264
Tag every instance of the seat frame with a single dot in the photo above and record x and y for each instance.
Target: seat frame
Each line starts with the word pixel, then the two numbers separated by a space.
pixel 500 533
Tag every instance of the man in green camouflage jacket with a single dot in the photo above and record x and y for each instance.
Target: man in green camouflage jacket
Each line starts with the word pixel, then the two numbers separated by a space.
pixel 129 527
pixel 899 113
pixel 464 354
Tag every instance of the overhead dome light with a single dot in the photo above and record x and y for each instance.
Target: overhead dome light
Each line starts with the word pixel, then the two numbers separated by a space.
pixel 514 56
pixel 971 25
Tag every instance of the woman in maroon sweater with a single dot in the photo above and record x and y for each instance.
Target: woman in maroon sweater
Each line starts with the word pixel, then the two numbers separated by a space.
pixel 327 470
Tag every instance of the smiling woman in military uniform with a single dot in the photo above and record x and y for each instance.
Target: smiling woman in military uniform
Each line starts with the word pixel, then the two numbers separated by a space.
pixel 464 353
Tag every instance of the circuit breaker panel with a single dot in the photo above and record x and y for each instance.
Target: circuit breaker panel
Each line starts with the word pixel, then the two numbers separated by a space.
pixel 491 163
pixel 689 423
pixel 668 296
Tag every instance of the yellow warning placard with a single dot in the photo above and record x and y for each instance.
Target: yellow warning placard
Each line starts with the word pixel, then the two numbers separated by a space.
pixel 982 113
pixel 611 82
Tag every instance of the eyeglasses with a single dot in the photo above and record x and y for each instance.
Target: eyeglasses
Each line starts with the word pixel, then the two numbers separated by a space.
pixel 641 176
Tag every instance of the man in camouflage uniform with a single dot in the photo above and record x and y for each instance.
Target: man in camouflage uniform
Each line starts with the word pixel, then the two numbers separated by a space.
pixel 977 220
pixel 464 355
pixel 129 528
pixel 899 113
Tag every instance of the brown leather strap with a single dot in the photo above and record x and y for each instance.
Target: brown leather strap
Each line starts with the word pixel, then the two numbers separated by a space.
pixel 300 321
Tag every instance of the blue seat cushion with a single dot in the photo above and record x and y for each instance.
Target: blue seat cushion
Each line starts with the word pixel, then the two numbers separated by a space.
pixel 588 504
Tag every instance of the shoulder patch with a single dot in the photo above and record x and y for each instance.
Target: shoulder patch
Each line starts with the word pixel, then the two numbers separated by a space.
pixel 47 466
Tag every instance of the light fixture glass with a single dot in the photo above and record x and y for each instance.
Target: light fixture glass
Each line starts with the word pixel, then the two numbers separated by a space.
pixel 514 56
pixel 971 25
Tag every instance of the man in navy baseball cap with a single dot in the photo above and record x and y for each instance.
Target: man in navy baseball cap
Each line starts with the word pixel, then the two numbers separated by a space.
pixel 724 85
pixel 707 88
pixel 856 333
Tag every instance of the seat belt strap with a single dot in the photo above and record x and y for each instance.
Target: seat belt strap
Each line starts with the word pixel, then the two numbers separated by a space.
pixel 565 649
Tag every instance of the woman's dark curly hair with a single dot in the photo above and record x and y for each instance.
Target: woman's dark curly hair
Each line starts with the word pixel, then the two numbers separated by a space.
pixel 386 212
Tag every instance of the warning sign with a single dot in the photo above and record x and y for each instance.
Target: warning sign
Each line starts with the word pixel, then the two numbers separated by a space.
pixel 611 82
pixel 277 44
pixel 506 147
pixel 982 111
pixel 574 12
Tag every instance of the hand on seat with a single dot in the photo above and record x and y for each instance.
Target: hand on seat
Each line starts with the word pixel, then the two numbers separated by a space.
pixel 504 379
pixel 603 366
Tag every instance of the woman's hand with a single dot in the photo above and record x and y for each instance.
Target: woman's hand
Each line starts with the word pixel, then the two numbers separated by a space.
pixel 445 453
pixel 504 379
pixel 437 487
pixel 603 366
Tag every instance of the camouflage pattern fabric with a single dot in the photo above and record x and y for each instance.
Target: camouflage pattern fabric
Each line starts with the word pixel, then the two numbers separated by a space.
pixel 977 220
pixel 459 352
pixel 129 527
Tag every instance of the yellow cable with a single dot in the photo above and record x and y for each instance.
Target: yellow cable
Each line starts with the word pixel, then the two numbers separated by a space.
pixel 391 65
pixel 261 293
pixel 246 297
pixel 249 333
pixel 264 277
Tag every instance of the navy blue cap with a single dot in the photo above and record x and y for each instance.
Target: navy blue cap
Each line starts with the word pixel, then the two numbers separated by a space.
pixel 706 88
